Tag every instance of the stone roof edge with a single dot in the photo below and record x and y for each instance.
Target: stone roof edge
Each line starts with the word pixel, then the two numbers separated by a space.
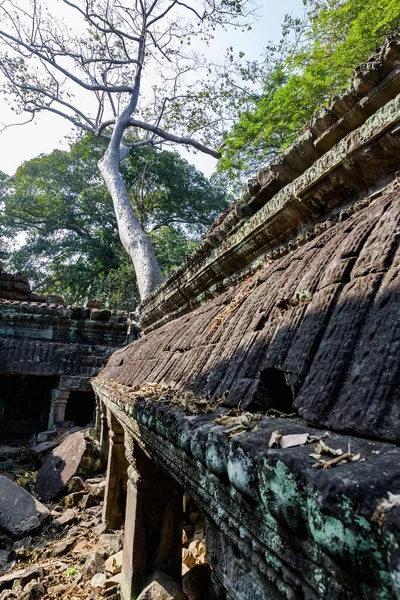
pixel 101 316
pixel 344 179
pixel 373 85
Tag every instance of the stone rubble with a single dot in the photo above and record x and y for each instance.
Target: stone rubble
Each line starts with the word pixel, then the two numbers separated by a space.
pixel 20 513
pixel 76 455
pixel 72 554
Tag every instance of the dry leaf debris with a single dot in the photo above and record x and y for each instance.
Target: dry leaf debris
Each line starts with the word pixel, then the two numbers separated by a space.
pixel 320 448
pixel 327 464
pixel 238 421
pixel 233 305
pixel 340 457
pixel 165 394
pixel 289 441
pixel 384 507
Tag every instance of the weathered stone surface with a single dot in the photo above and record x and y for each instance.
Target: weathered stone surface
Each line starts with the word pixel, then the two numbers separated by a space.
pixel 320 169
pixel 114 563
pixel 76 455
pixel 23 576
pixel 20 513
pixel 67 518
pixel 162 588
pixel 96 487
pixel 8 451
pixel 39 335
pixel 98 580
pixel 63 547
pixel 269 511
pixel 288 308
pixel 344 331
pixel 112 542
pixel 196 583
pixel 44 447
pixel 76 484
pixel 21 548
pixel 33 591
pixel 73 499
pixel 88 501
pixel 45 436
pixel 113 582
pixel 94 564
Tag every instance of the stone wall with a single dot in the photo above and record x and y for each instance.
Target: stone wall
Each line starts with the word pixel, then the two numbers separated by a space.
pixel 275 526
pixel 15 286
pixel 283 323
pixel 41 336
pixel 325 315
pixel 346 153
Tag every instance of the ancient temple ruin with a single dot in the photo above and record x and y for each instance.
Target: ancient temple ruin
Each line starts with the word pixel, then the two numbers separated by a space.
pixel 48 353
pixel 267 383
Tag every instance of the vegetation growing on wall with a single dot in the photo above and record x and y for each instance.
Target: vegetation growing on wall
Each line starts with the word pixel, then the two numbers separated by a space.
pixel 314 59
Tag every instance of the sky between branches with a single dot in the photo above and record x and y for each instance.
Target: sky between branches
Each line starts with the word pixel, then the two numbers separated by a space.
pixel 48 132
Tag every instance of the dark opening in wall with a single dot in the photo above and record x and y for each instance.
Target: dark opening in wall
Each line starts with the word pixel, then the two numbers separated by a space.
pixel 24 404
pixel 80 408
pixel 272 392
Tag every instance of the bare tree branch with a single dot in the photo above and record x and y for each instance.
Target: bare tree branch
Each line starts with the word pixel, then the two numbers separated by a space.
pixel 48 67
pixel 51 61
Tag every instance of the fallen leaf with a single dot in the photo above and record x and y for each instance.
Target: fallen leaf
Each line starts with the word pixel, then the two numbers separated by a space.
pixel 316 456
pixel 290 441
pixel 274 439
pixel 385 506
pixel 322 448
pixel 243 419
pixel 236 430
pixel 327 464
pixel 355 457
pixel 225 420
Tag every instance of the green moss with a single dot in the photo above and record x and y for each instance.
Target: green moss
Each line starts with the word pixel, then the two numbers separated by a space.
pixel 280 493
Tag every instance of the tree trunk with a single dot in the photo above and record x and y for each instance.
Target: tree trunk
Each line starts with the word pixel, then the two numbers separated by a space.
pixel 133 238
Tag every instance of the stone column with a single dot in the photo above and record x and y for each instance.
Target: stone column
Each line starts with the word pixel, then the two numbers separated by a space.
pixel 59 401
pixel 115 493
pixel 104 436
pixel 153 523
pixel 97 423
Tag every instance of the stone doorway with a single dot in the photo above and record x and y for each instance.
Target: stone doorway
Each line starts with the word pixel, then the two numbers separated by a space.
pixel 80 408
pixel 24 404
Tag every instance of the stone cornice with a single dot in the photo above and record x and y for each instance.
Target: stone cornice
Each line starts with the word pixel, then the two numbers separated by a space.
pixel 363 160
pixel 271 504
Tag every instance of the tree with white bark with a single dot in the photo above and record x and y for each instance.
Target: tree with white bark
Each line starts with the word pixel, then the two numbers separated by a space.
pixel 123 70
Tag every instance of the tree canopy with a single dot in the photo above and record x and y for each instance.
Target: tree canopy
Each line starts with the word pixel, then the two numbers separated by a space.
pixel 314 60
pixel 63 212
pixel 124 71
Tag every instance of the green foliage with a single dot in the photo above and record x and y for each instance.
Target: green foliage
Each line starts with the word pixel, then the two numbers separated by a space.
pixel 64 216
pixel 335 37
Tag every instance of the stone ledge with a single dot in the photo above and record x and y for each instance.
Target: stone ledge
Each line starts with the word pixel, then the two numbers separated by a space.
pixel 68 312
pixel 374 84
pixel 363 160
pixel 310 532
